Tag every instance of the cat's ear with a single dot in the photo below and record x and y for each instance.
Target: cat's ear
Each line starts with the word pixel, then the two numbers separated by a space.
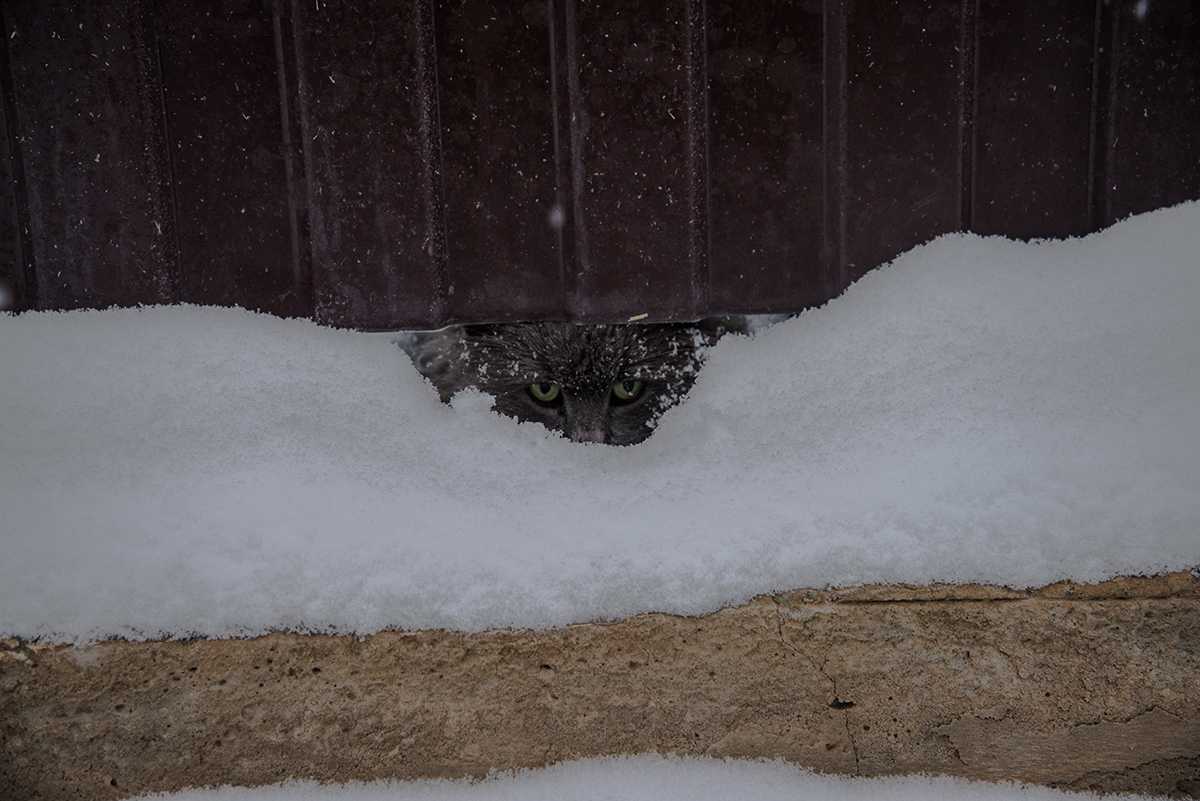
pixel 439 356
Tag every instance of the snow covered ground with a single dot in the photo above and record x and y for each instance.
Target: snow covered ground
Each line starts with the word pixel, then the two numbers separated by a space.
pixel 980 410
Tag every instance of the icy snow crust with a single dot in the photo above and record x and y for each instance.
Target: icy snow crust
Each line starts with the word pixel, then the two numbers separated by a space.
pixel 650 777
pixel 980 410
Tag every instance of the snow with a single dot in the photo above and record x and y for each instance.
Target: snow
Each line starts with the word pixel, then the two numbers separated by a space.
pixel 979 410
pixel 651 777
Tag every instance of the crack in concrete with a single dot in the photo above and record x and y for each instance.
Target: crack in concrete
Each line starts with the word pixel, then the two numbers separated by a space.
pixel 845 709
pixel 779 630
pixel 784 640
pixel 853 745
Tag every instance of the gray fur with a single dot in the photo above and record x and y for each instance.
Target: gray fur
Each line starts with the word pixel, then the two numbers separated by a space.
pixel 584 361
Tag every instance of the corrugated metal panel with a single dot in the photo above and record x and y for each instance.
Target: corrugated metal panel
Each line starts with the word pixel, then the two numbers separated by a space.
pixel 1033 119
pixel 370 134
pixel 238 211
pixel 500 173
pixel 900 117
pixel 767 188
pixel 87 129
pixel 418 163
pixel 1153 135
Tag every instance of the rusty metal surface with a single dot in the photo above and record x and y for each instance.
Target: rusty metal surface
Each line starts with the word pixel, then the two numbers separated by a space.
pixel 426 162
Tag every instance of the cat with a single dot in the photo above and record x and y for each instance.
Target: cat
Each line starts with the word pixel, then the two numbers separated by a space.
pixel 592 383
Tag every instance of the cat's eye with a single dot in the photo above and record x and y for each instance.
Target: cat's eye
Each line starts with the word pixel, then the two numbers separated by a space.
pixel 627 390
pixel 544 391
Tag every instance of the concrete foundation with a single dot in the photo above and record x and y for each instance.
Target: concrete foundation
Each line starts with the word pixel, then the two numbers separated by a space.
pixel 1084 687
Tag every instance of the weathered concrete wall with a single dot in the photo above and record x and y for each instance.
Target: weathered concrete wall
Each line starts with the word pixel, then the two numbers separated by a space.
pixel 1075 686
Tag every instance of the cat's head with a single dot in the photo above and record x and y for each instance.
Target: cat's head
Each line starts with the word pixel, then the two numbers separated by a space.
pixel 594 383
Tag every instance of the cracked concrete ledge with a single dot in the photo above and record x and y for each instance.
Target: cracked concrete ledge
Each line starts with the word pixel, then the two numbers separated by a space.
pixel 1075 686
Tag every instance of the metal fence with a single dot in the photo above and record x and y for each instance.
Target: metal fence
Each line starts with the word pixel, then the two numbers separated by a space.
pixel 409 164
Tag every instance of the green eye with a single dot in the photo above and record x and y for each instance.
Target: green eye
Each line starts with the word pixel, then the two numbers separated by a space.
pixel 544 392
pixel 627 390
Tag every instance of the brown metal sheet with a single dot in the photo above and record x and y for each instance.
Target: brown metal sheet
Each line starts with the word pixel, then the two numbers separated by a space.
pixel 903 117
pixel 470 160
pixel 1033 118
pixel 241 234
pixel 368 111
pixel 766 156
pixel 18 280
pixel 1154 143
pixel 499 171
pixel 89 119
pixel 634 127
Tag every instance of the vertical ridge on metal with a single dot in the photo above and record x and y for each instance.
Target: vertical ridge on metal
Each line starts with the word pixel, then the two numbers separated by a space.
pixel 1154 106
pixel 226 112
pixel 969 110
pixel 638 130
pixel 502 75
pixel 367 81
pixel 774 168
pixel 561 214
pixel 18 283
pixel 577 269
pixel 430 128
pixel 289 127
pixel 94 207
pixel 172 277
pixel 835 179
pixel 696 108
pixel 163 270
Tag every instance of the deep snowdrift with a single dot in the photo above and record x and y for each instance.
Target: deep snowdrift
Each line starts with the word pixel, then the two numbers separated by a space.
pixel 980 410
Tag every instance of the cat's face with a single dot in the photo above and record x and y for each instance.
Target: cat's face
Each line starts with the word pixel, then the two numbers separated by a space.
pixel 598 383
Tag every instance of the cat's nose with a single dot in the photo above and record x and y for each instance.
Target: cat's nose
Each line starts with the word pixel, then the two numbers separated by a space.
pixel 586 417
